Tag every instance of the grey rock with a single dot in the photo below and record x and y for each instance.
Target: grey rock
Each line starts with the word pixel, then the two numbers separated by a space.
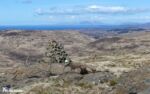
pixel 77 70
pixel 135 82
pixel 57 69
pixel 96 78
pixel 73 77
pixel 67 69
pixel 146 91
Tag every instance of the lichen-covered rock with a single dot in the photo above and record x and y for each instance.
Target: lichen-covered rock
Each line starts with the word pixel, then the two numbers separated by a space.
pixel 67 69
pixel 73 77
pixel 81 68
pixel 135 82
pixel 57 69
pixel 99 77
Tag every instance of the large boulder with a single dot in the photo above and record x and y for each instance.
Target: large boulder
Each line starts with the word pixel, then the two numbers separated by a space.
pixel 99 77
pixel 57 69
pixel 135 82
pixel 33 71
pixel 81 68
pixel 24 75
pixel 72 77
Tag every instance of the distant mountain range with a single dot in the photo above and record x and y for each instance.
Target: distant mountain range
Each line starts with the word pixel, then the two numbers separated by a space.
pixel 77 26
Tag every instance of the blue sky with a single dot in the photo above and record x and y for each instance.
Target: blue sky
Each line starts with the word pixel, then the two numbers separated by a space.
pixel 61 12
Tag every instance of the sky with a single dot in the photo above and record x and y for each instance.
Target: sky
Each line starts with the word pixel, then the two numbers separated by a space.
pixel 72 12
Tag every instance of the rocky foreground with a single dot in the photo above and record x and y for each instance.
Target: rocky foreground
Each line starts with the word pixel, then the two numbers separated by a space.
pixel 111 65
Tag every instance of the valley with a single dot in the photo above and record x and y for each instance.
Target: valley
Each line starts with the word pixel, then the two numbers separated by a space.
pixel 115 63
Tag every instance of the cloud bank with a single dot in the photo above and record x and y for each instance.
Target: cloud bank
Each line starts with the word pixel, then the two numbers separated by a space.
pixel 91 9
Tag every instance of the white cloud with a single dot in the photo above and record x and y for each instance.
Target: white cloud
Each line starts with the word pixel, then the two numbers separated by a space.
pixel 106 9
pixel 39 11
pixel 72 17
pixel 91 9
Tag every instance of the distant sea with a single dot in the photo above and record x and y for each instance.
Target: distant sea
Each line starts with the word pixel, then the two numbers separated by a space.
pixel 46 27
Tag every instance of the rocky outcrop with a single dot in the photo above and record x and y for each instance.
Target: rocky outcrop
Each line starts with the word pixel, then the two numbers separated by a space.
pixel 72 77
pixel 58 69
pixel 82 68
pixel 135 82
pixel 98 77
